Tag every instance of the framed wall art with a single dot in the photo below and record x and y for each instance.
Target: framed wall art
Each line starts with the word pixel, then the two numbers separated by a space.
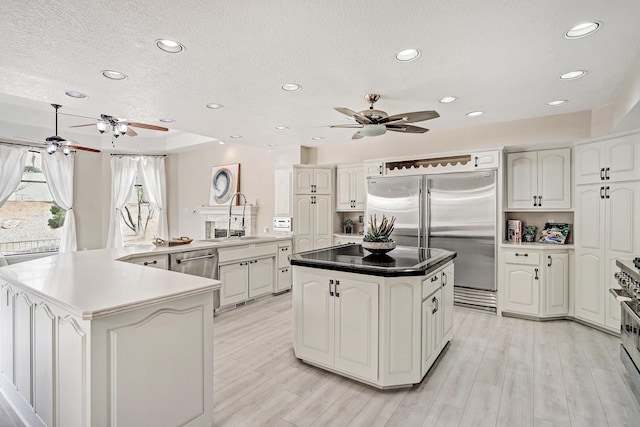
pixel 225 182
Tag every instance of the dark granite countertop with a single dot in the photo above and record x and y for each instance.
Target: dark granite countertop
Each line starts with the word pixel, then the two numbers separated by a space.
pixel 402 261
pixel 628 267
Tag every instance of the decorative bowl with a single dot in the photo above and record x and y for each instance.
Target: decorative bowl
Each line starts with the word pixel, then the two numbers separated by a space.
pixel 379 247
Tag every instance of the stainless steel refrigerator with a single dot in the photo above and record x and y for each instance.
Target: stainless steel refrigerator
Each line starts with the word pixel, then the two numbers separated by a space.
pixel 454 211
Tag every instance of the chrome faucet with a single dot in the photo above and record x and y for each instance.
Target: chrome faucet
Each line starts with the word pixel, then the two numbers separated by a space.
pixel 233 198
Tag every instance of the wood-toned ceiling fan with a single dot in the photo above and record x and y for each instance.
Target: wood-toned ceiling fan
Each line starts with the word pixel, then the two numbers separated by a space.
pixel 55 142
pixel 120 126
pixel 373 122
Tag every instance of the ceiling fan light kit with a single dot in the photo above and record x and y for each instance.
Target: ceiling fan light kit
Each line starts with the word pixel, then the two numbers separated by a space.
pixel 374 122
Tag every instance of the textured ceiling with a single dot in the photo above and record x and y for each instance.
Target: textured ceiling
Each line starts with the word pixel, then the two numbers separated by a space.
pixel 502 57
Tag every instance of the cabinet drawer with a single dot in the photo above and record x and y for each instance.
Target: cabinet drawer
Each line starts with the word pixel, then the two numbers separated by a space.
pixel 237 253
pixel 431 284
pixel 283 256
pixel 156 261
pixel 522 257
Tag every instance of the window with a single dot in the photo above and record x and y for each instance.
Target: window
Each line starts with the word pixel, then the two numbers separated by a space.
pixel 30 221
pixel 138 219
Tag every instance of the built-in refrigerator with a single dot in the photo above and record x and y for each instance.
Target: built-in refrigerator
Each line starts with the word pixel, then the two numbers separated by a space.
pixel 454 211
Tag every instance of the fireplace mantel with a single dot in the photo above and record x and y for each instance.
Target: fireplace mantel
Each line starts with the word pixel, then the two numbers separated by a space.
pixel 213 217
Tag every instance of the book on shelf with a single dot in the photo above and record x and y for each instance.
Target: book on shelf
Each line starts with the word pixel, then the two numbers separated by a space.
pixel 554 233
pixel 514 230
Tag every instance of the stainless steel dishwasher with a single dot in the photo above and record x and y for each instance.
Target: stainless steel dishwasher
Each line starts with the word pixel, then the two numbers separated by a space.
pixel 201 262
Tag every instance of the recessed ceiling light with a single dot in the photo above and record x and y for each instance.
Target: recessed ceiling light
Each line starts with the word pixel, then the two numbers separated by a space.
pixel 582 30
pixel 571 75
pixel 317 138
pixel 170 46
pixel 221 142
pixel 448 99
pixel 291 87
pixel 215 106
pixel 166 120
pixel 475 113
pixel 235 136
pixel 557 102
pixel 75 94
pixel 282 128
pixel 114 75
pixel 407 55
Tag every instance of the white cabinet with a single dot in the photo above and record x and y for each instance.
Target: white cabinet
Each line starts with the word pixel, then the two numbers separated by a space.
pixel 155 261
pixel 611 160
pixel 316 180
pixel 536 282
pixel 282 191
pixel 447 280
pixel 336 321
pixel 606 228
pixel 486 159
pixel 539 179
pixel 245 280
pixel 283 281
pixel 431 329
pixel 350 188
pixel 374 168
pixel 312 225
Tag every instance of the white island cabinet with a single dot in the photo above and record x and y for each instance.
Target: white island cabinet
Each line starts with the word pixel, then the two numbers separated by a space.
pixel 373 319
pixel 91 341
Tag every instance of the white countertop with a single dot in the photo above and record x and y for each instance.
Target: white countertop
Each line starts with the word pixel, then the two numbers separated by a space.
pixel 96 283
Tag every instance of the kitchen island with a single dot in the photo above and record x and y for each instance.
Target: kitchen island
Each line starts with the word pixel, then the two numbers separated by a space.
pixel 379 319
pixel 88 340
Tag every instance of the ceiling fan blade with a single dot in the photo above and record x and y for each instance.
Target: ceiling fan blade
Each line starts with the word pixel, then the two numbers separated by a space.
pixel 416 116
pixel 146 126
pixel 407 128
pixel 131 132
pixel 354 126
pixel 79 126
pixel 78 147
pixel 357 136
pixel 359 117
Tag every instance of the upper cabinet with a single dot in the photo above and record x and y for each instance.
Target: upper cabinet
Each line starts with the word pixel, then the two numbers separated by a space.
pixel 350 188
pixel 611 160
pixel 539 180
pixel 317 180
pixel 374 168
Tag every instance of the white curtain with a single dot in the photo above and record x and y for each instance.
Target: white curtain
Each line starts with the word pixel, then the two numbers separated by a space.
pixel 123 176
pixel 58 171
pixel 152 174
pixel 12 160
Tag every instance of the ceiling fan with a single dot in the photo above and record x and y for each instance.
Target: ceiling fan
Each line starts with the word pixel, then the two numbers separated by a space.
pixel 55 142
pixel 119 126
pixel 373 122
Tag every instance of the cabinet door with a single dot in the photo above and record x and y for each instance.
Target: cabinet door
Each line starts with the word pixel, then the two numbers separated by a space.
pixel 260 277
pixel 590 297
pixel 556 285
pixel 235 283
pixel 431 330
pixel 282 206
pixel 6 339
pixel 521 289
pixel 554 179
pixel 589 217
pixel 356 328
pixel 374 169
pixel 302 223
pixel 522 181
pixel 322 213
pixel 283 255
pixel 283 281
pixel 448 280
pixel 483 160
pixel 623 158
pixel 590 159
pixel 302 180
pixel 359 192
pixel 344 195
pixel 155 261
pixel 323 181
pixel 313 318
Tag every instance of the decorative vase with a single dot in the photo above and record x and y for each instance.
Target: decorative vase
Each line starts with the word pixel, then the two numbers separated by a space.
pixel 379 248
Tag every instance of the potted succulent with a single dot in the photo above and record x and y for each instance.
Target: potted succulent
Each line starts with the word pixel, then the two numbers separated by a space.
pixel 378 238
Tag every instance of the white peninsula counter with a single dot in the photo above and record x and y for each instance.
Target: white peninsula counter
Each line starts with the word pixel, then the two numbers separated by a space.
pixel 88 340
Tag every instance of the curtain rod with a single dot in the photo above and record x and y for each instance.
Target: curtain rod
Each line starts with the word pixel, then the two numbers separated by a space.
pixel 140 155
pixel 35 148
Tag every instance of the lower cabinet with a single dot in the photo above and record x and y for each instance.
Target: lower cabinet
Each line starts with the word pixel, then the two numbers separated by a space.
pixel 283 279
pixel 338 323
pixel 536 282
pixel 245 280
pixel 384 331
pixel 156 261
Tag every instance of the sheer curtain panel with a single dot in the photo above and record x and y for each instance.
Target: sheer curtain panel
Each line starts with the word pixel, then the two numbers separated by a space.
pixel 123 176
pixel 58 171
pixel 12 160
pixel 152 174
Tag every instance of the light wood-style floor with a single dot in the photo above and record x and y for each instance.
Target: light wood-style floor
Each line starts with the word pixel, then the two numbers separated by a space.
pixel 497 371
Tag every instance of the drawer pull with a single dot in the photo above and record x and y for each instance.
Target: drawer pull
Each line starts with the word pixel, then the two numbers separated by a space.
pixel 536 270
pixel 151 262
pixel 549 259
pixel 517 254
pixel 434 278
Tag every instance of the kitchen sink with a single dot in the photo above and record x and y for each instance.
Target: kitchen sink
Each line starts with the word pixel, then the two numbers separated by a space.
pixel 236 238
